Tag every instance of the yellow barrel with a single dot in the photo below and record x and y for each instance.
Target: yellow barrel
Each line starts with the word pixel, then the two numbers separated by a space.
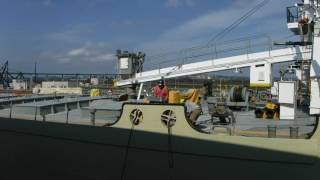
pixel 174 97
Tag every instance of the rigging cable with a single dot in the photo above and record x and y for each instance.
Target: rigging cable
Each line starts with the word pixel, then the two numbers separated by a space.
pixel 124 167
pixel 227 30
pixel 238 22
pixel 170 123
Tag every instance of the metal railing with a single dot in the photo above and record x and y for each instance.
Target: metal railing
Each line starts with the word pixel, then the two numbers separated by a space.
pixel 242 46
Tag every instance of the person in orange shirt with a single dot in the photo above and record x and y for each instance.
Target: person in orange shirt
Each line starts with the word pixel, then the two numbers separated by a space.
pixel 161 91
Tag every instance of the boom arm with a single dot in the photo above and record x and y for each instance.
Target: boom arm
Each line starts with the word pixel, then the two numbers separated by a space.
pixel 214 65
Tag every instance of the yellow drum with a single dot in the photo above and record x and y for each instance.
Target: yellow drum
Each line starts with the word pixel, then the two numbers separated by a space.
pixel 174 97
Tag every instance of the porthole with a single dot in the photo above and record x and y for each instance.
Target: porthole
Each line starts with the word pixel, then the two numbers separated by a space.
pixel 136 116
pixel 168 118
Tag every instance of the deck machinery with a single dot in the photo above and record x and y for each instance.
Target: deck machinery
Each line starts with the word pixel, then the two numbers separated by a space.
pixel 303 20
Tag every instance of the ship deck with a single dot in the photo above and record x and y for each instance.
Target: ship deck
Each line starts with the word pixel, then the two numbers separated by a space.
pixel 247 125
pixel 108 111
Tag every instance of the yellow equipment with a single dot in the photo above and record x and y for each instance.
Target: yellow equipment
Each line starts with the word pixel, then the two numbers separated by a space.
pixel 271 106
pixel 95 92
pixel 192 96
pixel 174 97
pixel 114 83
pixel 270 111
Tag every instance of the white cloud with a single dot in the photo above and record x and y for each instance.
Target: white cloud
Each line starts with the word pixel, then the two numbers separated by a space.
pixel 90 52
pixel 78 52
pixel 179 3
pixel 73 33
pixel 106 57
pixel 201 29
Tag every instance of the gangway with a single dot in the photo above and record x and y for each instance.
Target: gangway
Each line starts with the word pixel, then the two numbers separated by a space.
pixel 220 64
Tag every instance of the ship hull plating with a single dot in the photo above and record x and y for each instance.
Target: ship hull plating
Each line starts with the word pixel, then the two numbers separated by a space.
pixel 148 150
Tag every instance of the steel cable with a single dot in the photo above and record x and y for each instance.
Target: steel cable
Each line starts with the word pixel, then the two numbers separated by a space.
pixel 236 23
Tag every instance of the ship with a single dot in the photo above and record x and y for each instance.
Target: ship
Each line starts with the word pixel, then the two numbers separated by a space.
pixel 149 139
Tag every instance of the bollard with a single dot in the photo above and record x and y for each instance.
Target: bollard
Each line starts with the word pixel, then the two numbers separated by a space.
pixel 93 116
pixel 43 114
pixel 10 113
pixel 67 118
pixel 229 131
pixel 294 132
pixel 35 114
pixel 272 131
pixel 55 96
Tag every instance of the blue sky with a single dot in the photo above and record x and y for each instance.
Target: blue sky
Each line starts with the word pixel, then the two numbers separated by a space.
pixel 83 35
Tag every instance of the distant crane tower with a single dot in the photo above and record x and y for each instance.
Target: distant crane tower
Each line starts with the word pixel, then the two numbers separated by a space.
pixel 4 75
pixel 129 63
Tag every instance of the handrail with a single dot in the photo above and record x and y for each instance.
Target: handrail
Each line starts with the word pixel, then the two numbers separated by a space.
pixel 248 45
pixel 181 70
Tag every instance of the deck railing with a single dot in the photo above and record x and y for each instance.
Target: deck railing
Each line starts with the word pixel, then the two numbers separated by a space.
pixel 242 46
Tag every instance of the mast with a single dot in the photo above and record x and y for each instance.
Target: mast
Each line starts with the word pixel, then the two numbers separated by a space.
pixel 311 9
pixel 303 20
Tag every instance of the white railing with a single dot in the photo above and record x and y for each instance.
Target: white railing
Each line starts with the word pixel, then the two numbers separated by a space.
pixel 241 46
pixel 220 57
